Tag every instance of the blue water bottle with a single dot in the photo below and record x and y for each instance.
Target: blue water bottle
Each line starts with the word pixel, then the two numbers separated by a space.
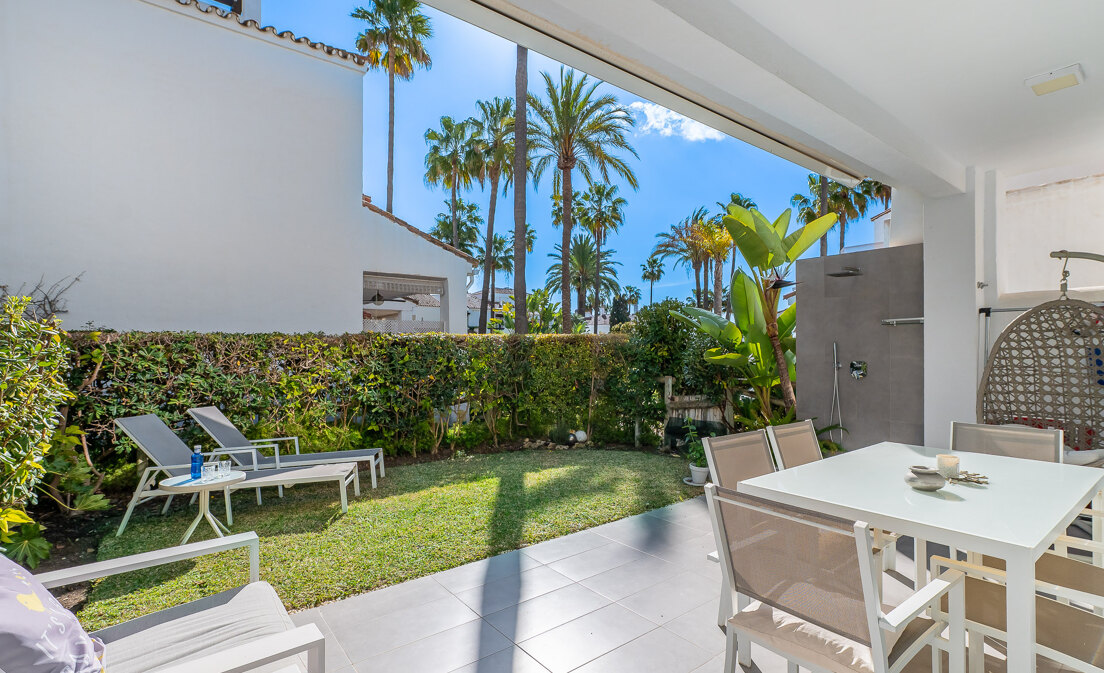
pixel 197 464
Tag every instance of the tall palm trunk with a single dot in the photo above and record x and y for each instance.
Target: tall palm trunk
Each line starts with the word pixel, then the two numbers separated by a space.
pixel 455 215
pixel 488 259
pixel 697 285
pixel 565 276
pixel 731 274
pixel 597 276
pixel 580 295
pixel 390 135
pixel 822 210
pixel 521 151
pixel 717 272
pixel 843 230
pixel 651 287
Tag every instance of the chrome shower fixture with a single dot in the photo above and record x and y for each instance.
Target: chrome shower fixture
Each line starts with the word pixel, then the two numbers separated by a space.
pixel 846 272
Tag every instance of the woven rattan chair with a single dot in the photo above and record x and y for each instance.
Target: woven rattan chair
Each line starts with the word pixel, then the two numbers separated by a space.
pixel 805 584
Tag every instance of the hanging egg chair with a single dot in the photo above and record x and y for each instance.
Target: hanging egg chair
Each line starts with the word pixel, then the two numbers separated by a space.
pixel 1046 370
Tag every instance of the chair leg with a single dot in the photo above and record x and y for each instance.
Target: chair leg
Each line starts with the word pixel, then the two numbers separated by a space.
pixel 280 491
pixel 229 509
pixel 195 496
pixel 724 610
pixel 165 509
pixel 356 480
pixel 730 652
pixel 259 496
pixel 344 496
pixel 374 471
pixel 976 651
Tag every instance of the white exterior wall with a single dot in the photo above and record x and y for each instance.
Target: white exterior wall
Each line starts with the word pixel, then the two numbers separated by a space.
pixel 203 176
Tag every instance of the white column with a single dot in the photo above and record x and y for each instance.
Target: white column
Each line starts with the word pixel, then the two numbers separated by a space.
pixel 950 310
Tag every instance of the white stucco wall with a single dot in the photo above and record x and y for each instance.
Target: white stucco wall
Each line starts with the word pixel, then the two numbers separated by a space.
pixel 202 176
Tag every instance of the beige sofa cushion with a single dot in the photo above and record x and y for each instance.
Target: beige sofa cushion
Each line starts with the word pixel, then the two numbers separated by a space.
pixel 196 629
pixel 817 646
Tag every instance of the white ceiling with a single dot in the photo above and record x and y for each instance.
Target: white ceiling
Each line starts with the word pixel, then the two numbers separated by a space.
pixel 909 93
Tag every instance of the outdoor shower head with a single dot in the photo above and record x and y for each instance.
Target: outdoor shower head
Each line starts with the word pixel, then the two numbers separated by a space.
pixel 846 272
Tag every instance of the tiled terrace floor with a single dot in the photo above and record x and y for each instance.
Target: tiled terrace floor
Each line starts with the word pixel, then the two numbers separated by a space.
pixel 633 595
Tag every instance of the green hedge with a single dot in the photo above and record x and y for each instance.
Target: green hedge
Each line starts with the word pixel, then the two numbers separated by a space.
pixel 393 391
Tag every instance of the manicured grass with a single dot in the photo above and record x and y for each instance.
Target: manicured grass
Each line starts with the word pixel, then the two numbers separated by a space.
pixel 422 519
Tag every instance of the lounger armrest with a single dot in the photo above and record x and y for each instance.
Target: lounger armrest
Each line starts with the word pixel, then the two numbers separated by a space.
pixel 91 571
pixel 250 451
pixel 273 439
pixel 261 652
pixel 919 602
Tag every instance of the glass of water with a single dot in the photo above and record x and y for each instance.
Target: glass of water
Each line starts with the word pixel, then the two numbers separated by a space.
pixel 209 471
pixel 224 468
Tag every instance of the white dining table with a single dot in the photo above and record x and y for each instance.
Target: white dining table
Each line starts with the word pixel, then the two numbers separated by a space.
pixel 1017 516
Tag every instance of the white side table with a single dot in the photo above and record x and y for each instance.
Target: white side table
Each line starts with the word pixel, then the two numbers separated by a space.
pixel 186 484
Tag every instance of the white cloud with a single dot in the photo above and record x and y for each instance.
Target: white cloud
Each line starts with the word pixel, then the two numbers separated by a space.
pixel 654 118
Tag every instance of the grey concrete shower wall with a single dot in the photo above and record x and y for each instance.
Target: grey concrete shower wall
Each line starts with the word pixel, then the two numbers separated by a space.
pixel 889 403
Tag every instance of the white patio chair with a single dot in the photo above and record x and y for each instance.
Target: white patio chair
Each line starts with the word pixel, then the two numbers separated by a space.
pixel 805 586
pixel 796 444
pixel 172 457
pixel 226 434
pixel 1064 634
pixel 234 631
pixel 732 459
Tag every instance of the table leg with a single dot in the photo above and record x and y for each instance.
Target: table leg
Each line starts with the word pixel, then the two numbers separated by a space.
pixel 1021 613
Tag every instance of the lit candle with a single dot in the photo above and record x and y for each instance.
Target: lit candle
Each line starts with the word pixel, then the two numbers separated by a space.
pixel 947 464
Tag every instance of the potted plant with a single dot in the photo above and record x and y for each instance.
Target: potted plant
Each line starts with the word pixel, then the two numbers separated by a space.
pixel 699 467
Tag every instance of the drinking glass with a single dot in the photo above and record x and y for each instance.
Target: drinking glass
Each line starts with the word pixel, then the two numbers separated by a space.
pixel 209 471
pixel 224 468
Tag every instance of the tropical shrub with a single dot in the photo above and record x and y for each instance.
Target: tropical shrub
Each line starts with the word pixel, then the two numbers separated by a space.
pixel 34 359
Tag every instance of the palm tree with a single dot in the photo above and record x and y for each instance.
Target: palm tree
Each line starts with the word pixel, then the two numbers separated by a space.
pixel 501 256
pixel 632 296
pixel 745 202
pixel 582 270
pixel 717 245
pixel 453 160
pixel 530 241
pixel 463 221
pixel 814 205
pixel 495 129
pixel 394 41
pixel 578 128
pixel 651 271
pixel 521 163
pixel 682 243
pixel 605 214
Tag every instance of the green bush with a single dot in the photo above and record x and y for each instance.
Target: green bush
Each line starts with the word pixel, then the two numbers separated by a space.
pixel 33 361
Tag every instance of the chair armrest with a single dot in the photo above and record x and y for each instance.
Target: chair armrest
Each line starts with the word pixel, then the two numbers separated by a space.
pixel 918 602
pixel 260 652
pixel 1078 543
pixel 250 451
pixel 91 571
pixel 274 439
pixel 1002 577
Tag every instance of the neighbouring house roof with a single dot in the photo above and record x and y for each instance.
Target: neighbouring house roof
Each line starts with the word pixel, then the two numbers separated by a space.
pixel 880 214
pixel 334 52
pixel 427 300
pixel 366 201
pixel 475 298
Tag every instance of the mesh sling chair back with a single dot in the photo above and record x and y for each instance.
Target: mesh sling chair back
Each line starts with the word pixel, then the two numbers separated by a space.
pixel 794 444
pixel 171 457
pixel 222 430
pixel 1016 441
pixel 733 458
pixel 806 589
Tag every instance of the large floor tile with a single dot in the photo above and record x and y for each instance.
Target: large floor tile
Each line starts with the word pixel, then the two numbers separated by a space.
pixel 692 513
pixel 537 615
pixel 716 665
pixel 502 593
pixel 511 660
pixel 562 547
pixel 335 654
pixel 380 602
pixel 479 573
pixel 364 639
pixel 648 533
pixel 672 597
pixel 579 641
pixel 658 651
pixel 441 653
pixel 630 578
pixel 597 560
pixel 699 626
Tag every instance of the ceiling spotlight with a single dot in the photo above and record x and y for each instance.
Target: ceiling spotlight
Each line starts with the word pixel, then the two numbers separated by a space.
pixel 1056 80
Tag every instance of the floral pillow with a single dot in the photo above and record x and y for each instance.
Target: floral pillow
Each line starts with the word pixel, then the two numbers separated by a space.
pixel 38 635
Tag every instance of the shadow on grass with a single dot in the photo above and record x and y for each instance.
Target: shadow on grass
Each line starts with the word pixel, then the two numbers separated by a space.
pixel 507 528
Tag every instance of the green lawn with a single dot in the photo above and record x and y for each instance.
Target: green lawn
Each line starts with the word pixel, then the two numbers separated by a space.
pixel 422 519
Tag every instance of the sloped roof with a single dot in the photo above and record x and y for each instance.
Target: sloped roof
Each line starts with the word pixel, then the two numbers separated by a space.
pixel 335 52
pixel 366 201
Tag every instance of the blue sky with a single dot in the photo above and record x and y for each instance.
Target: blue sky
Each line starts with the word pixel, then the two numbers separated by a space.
pixel 682 164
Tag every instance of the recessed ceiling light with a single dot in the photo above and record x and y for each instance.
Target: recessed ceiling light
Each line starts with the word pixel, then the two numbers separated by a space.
pixel 1056 80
